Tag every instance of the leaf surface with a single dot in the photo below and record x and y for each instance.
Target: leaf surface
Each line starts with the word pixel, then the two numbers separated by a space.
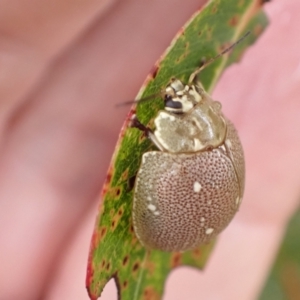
pixel 284 278
pixel 115 250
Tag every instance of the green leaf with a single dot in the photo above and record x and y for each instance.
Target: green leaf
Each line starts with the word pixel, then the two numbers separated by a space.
pixel 115 250
pixel 284 279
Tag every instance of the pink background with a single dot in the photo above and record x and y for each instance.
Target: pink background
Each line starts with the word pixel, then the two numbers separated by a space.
pixel 58 60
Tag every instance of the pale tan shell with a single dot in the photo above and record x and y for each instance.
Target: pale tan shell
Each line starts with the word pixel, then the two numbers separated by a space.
pixel 184 200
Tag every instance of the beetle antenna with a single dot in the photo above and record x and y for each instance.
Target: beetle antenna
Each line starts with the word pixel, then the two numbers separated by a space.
pixel 139 100
pixel 195 73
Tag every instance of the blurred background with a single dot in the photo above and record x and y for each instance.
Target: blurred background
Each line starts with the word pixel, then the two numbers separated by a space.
pixel 63 67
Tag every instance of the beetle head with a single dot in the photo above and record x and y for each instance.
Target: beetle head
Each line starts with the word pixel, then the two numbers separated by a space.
pixel 180 98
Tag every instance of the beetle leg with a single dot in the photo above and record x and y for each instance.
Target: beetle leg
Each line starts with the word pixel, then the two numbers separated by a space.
pixel 135 123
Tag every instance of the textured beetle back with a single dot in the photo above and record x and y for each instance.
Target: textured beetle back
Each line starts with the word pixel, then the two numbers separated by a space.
pixel 237 154
pixel 188 193
pixel 183 200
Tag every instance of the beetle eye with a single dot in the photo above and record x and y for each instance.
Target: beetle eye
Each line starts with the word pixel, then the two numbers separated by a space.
pixel 170 103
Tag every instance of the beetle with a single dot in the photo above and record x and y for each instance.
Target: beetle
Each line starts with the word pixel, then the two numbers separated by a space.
pixel 189 189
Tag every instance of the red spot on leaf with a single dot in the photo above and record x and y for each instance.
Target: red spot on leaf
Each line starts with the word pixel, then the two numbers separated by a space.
pixel 181 31
pixel 234 21
pixel 150 265
pixel 108 177
pixel 196 253
pixel 89 272
pixel 258 29
pixel 214 9
pixel 103 263
pixel 135 267
pixel 154 71
pixel 90 268
pixel 113 224
pixel 106 183
pixel 124 176
pixel 125 260
pixel 150 294
pixel 102 233
pixel 125 284
pixel 176 260
pixel 108 266
pixel 115 192
pixel 131 229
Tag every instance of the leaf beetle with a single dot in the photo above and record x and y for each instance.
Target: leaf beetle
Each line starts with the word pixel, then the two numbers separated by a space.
pixel 189 190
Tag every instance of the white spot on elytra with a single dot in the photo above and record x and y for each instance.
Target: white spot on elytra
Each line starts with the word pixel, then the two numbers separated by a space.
pixel 218 152
pixel 149 198
pixel 223 148
pixel 197 187
pixel 156 213
pixel 202 219
pixel 197 144
pixel 228 144
pixel 209 202
pixel 209 230
pixel 151 207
